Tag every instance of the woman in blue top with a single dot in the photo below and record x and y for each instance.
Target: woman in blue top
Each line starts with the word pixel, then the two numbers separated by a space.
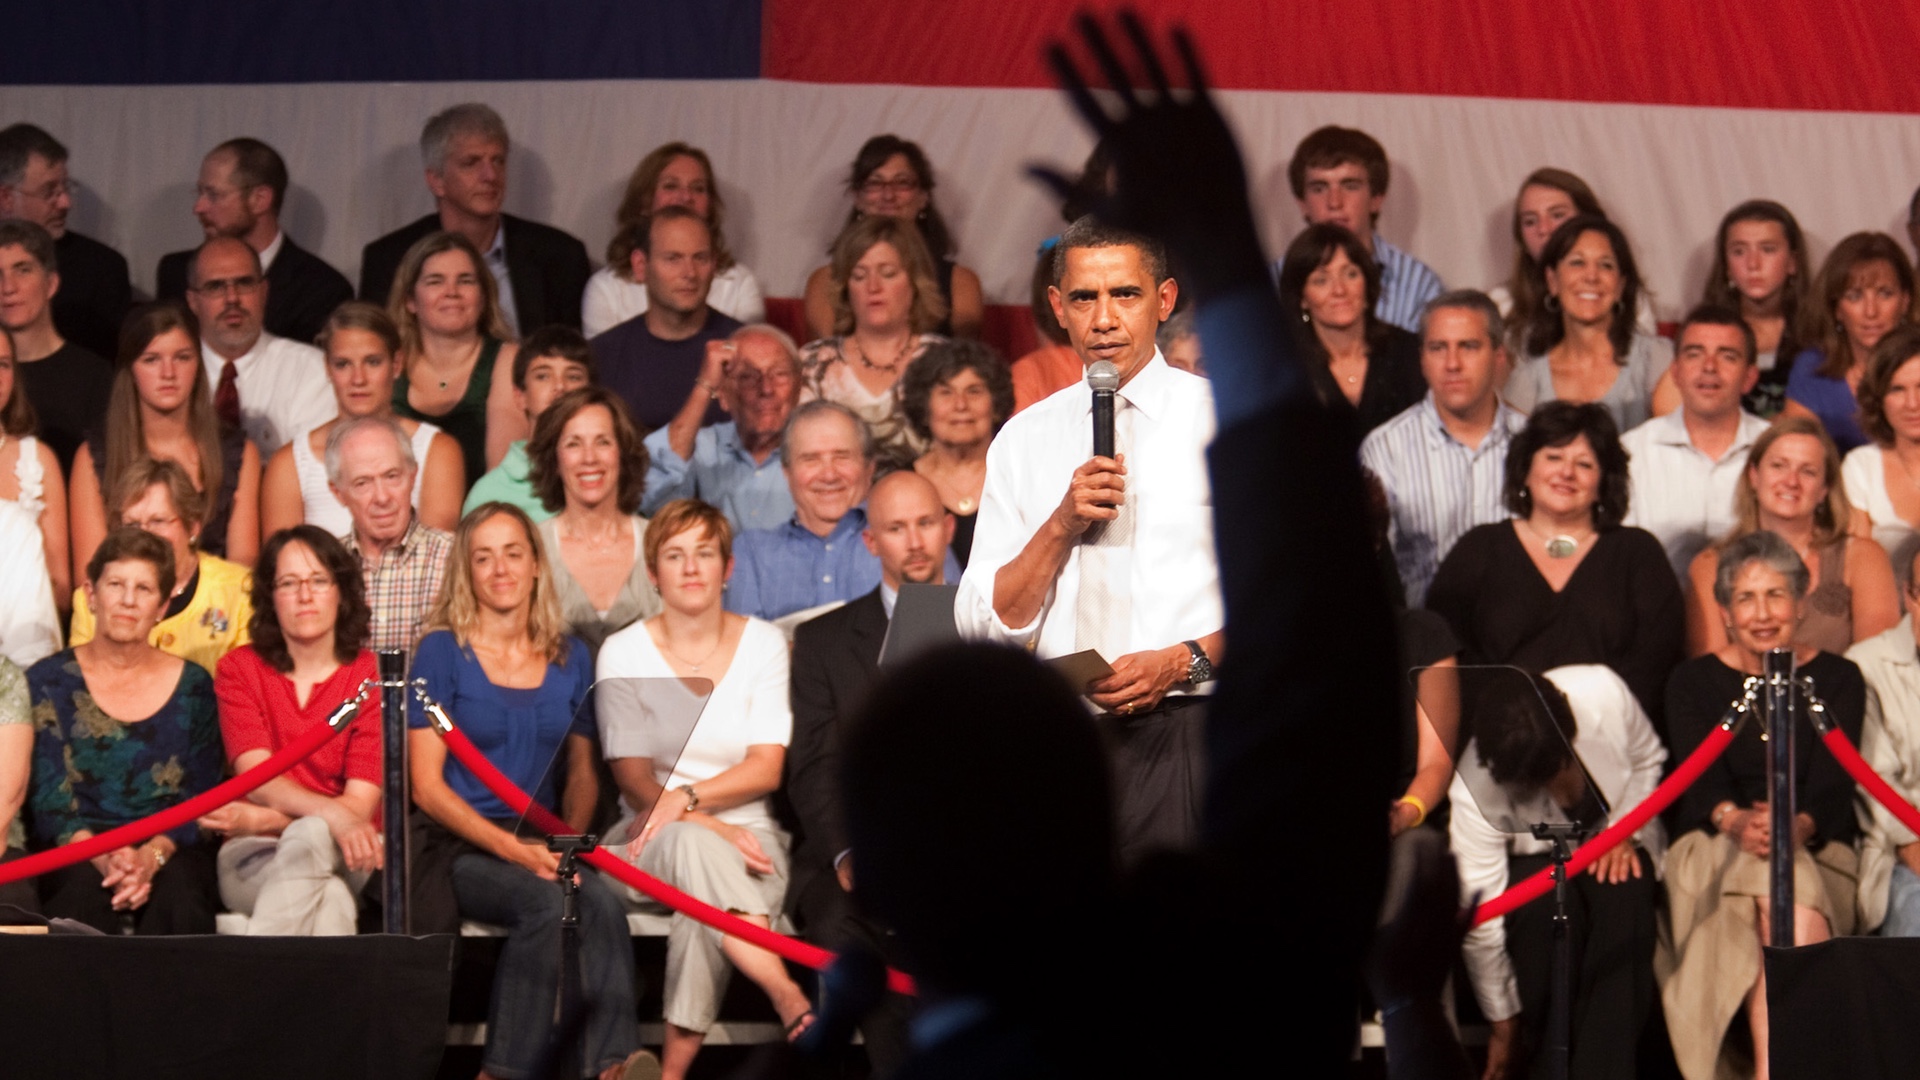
pixel 122 731
pixel 1865 289
pixel 498 657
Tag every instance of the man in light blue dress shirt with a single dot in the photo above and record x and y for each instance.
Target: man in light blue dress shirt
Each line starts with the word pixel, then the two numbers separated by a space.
pixel 735 464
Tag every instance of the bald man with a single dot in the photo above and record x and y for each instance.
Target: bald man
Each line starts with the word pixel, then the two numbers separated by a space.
pixel 273 388
pixel 835 659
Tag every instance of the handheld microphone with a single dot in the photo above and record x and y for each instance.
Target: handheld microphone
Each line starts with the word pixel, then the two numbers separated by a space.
pixel 1104 379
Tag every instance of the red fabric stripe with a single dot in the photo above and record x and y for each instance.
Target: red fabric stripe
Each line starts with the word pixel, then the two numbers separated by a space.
pixel 1792 54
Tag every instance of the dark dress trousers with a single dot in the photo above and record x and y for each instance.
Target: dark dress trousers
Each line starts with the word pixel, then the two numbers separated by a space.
pixel 302 289
pixel 548 269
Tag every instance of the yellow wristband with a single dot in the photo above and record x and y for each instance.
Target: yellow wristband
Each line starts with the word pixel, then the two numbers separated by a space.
pixel 1414 801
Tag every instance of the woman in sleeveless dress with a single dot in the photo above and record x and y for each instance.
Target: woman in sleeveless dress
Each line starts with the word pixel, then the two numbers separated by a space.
pixel 456 367
pixel 30 474
pixel 360 342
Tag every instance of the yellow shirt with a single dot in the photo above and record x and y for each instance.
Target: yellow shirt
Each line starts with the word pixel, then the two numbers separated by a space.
pixel 213 623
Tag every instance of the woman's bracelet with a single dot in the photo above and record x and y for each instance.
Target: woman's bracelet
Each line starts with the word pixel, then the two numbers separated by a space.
pixel 1721 811
pixel 1420 809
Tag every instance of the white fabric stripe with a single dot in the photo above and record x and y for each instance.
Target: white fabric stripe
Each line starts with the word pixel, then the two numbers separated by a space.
pixel 1666 173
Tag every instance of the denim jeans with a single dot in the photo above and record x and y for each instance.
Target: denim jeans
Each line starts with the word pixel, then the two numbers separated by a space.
pixel 1903 904
pixel 520 1017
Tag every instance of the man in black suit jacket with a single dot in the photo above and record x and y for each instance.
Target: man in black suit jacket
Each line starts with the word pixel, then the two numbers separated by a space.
pixel 242 183
pixel 95 290
pixel 835 660
pixel 546 270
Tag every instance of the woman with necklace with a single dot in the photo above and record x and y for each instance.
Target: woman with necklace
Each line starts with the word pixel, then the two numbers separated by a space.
pixel 956 396
pixel 1359 364
pixel 704 822
pixel 456 366
pixel 885 301
pixel 1883 477
pixel 1563 582
pixel 1792 487
pixel 589 467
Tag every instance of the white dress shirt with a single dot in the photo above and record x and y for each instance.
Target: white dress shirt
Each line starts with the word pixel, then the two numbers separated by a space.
pixel 1890 741
pixel 283 389
pixel 1624 757
pixel 1864 474
pixel 1680 494
pixel 1175 580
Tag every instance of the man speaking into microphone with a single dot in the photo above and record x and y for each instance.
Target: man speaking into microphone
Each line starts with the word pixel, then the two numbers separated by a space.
pixel 1076 550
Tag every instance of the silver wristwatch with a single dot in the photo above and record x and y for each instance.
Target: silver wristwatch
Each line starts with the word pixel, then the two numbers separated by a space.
pixel 1199 669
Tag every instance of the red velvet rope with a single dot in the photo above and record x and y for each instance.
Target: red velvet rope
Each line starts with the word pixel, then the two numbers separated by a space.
pixel 1540 884
pixel 612 865
pixel 136 832
pixel 1843 751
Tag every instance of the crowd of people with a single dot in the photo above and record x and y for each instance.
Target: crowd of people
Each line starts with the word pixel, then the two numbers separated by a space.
pixel 530 474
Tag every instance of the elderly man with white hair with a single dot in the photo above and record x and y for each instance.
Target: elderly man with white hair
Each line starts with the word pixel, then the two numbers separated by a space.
pixel 370 467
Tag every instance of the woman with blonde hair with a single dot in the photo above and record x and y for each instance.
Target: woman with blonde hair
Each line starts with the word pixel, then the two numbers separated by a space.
pixel 672 174
pixel 497 656
pixel 456 364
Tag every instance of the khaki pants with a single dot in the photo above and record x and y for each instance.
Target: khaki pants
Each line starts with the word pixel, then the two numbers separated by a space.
pixel 292 885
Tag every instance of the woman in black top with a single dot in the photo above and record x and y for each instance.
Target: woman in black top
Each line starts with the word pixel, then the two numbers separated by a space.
pixel 1330 283
pixel 1563 582
pixel 1717 870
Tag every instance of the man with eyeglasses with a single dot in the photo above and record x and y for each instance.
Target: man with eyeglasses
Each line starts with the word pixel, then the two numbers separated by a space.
pixel 551 362
pixel 370 467
pixel 271 387
pixel 734 464
pixel 66 384
pixel 95 290
pixel 655 359
pixel 242 185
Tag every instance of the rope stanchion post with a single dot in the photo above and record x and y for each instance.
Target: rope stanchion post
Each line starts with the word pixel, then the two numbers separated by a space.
pixel 397 919
pixel 1778 673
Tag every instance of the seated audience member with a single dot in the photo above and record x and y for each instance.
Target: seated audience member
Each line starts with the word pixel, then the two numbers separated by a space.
pixel 456 366
pixel 537 271
pixel 672 174
pixel 814 558
pixel 1510 959
pixel 300 847
pixel 206 615
pixel 1760 269
pixel 735 464
pixel 1791 487
pixel 1890 741
pixel 1443 460
pixel 1547 197
pixel 835 662
pixel 956 396
pixel 1864 290
pixel 1355 358
pixel 94 771
pixel 1179 341
pixel 552 361
pixel 498 658
pixel 65 383
pixel 588 467
pixel 30 619
pixel 271 387
pixel 1563 582
pixel 655 360
pixel 1686 464
pixel 703 822
pixel 1717 870
pixel 1339 177
pixel 370 467
pixel 159 408
pixel 95 289
pixel 892 178
pixel 1882 477
pixel 1052 365
pixel 16 766
pixel 240 192
pixel 30 476
pixel 885 306
pixel 1582 344
pixel 360 343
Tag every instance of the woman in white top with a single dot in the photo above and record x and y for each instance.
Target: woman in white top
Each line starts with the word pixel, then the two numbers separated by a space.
pixel 674 174
pixel 360 342
pixel 707 826
pixel 1582 345
pixel 587 465
pixel 30 474
pixel 1883 477
pixel 885 302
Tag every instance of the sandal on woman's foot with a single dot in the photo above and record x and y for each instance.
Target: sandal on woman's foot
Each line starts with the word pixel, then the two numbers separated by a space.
pixel 641 1065
pixel 800 1025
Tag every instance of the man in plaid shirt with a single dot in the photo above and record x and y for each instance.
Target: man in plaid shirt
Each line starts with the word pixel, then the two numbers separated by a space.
pixel 371 469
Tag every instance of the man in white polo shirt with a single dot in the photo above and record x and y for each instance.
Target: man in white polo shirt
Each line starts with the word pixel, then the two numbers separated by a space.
pixel 1685 465
pixel 272 387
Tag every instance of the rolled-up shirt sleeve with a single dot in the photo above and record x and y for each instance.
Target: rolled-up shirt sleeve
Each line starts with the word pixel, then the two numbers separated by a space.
pixel 1481 853
pixel 668 474
pixel 999 535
